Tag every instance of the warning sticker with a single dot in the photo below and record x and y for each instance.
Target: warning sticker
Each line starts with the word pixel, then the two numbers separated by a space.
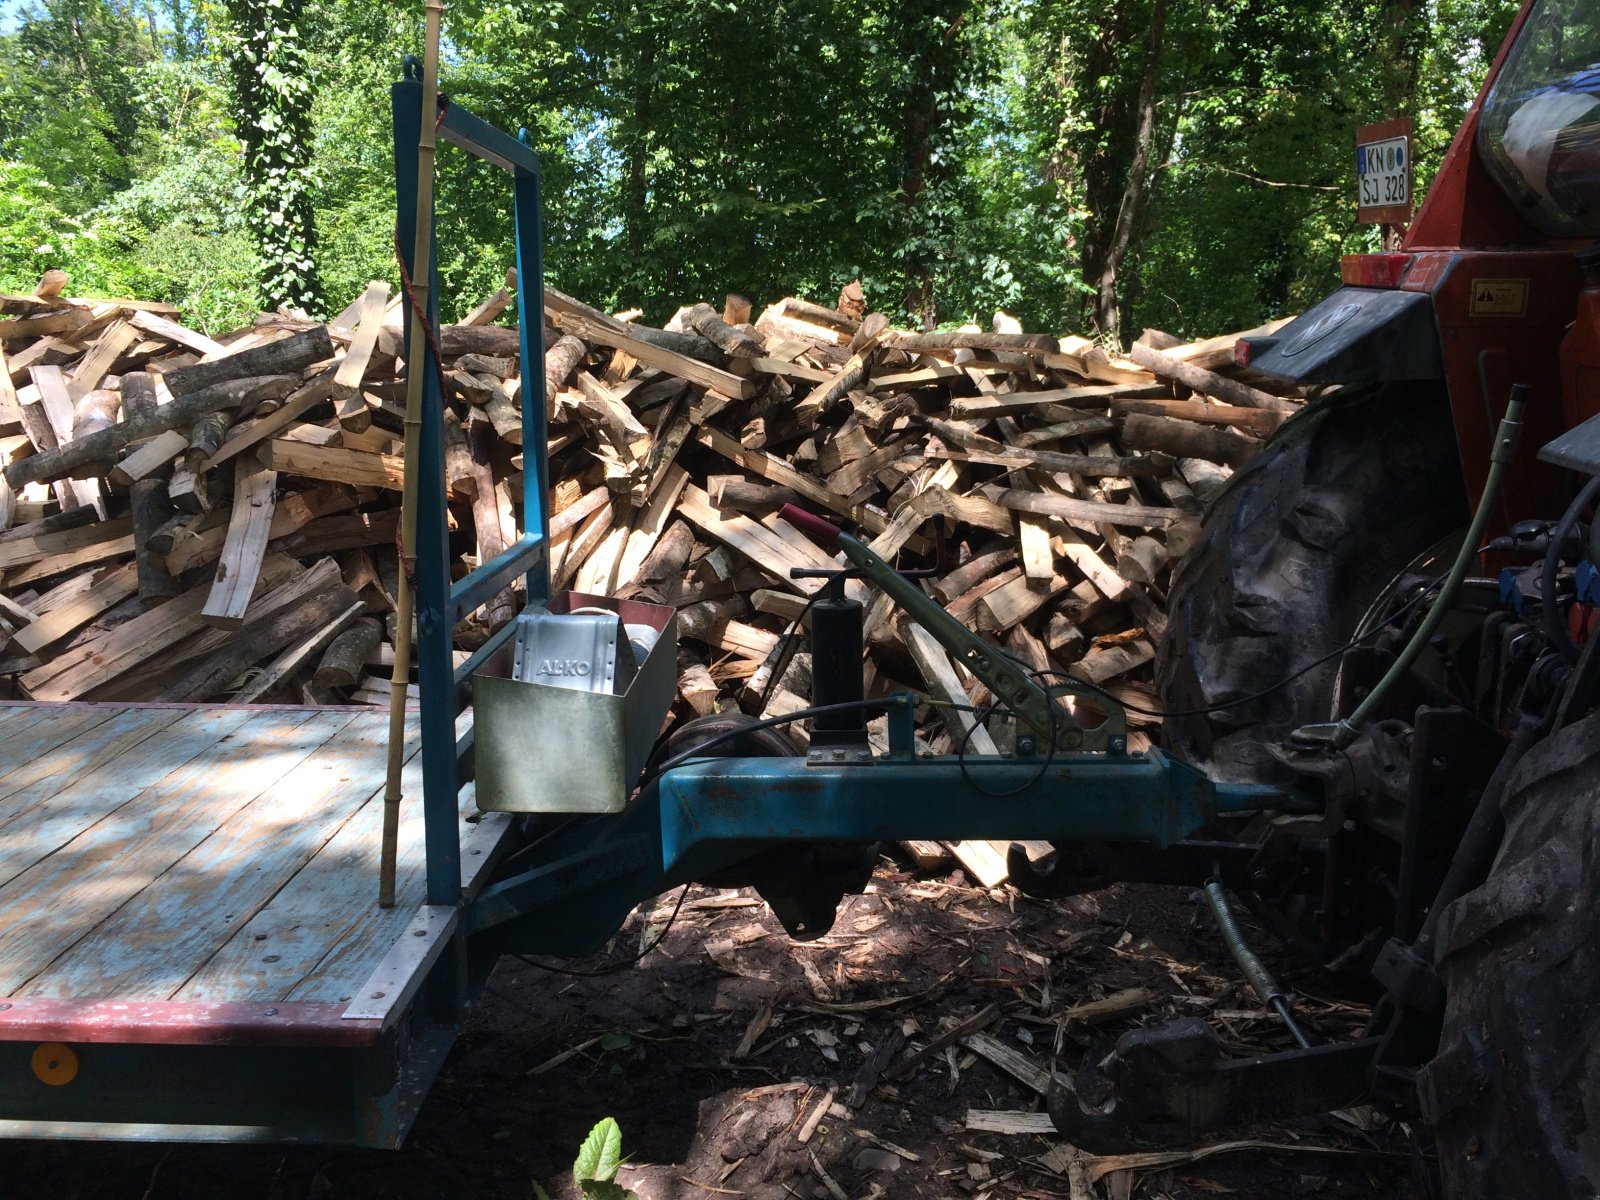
pixel 1499 297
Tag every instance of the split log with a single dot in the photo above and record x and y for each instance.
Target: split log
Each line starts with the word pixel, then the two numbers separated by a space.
pixel 244 547
pixel 582 321
pixel 660 576
pixel 1185 439
pixel 96 411
pixel 818 315
pixel 826 396
pixel 486 518
pixel 1259 421
pixel 703 319
pixel 732 491
pixel 1206 382
pixel 344 661
pixel 560 361
pixel 1143 560
pixel 139 395
pixel 105 445
pixel 206 438
pixel 350 403
pixel 1136 515
pixel 1026 343
pixel 1204 477
pixel 736 309
pixel 151 509
pixel 215 673
pixel 460 477
pixel 289 356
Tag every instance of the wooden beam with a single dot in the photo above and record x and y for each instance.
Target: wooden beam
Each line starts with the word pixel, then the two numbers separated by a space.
pixel 245 546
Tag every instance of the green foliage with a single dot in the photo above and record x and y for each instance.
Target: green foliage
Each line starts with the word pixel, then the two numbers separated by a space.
pixel 957 156
pixel 272 95
pixel 595 1169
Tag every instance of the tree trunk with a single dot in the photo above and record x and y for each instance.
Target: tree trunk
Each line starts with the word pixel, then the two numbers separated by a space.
pixel 1107 310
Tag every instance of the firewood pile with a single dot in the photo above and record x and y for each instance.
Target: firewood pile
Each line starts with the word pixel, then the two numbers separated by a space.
pixel 189 518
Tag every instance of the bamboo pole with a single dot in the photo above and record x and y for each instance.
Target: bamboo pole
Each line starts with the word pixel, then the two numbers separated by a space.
pixel 416 361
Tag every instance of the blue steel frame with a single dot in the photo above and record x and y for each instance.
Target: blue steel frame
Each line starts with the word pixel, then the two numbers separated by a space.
pixel 441 605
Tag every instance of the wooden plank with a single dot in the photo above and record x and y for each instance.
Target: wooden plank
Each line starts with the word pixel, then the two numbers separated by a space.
pixel 332 464
pixel 153 944
pixel 134 749
pixel 80 764
pixel 320 936
pixel 59 900
pixel 31 732
pixel 244 547
pixel 350 404
pixel 108 591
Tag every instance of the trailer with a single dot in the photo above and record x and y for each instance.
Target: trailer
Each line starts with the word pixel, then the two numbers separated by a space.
pixel 193 948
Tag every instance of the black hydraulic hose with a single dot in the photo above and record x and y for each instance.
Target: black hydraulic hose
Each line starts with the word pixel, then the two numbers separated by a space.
pixel 1555 628
pixel 1273 996
pixel 1476 850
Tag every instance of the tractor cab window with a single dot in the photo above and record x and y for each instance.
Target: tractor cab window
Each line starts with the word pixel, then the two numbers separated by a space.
pixel 1540 129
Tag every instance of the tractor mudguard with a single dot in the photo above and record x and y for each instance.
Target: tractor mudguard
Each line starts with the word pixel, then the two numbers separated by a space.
pixel 1356 335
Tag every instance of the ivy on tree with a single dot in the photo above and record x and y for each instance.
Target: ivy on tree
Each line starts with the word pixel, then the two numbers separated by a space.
pixel 272 101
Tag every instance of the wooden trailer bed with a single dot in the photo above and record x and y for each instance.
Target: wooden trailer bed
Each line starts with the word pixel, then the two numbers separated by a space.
pixel 184 876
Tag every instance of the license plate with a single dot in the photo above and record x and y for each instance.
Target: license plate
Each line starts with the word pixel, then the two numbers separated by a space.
pixel 1383 172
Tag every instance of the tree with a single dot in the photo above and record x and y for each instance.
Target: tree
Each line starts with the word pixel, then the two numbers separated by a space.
pixel 272 101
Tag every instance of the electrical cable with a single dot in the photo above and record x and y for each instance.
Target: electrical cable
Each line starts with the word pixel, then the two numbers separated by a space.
pixel 622 964
pixel 1555 629
pixel 984 712
pixel 791 644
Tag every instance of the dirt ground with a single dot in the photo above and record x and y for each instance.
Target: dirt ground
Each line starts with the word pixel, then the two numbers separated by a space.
pixel 729 1057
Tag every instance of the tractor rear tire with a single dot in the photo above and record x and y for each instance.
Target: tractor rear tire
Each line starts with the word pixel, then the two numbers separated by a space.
pixel 1296 549
pixel 1514 1091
